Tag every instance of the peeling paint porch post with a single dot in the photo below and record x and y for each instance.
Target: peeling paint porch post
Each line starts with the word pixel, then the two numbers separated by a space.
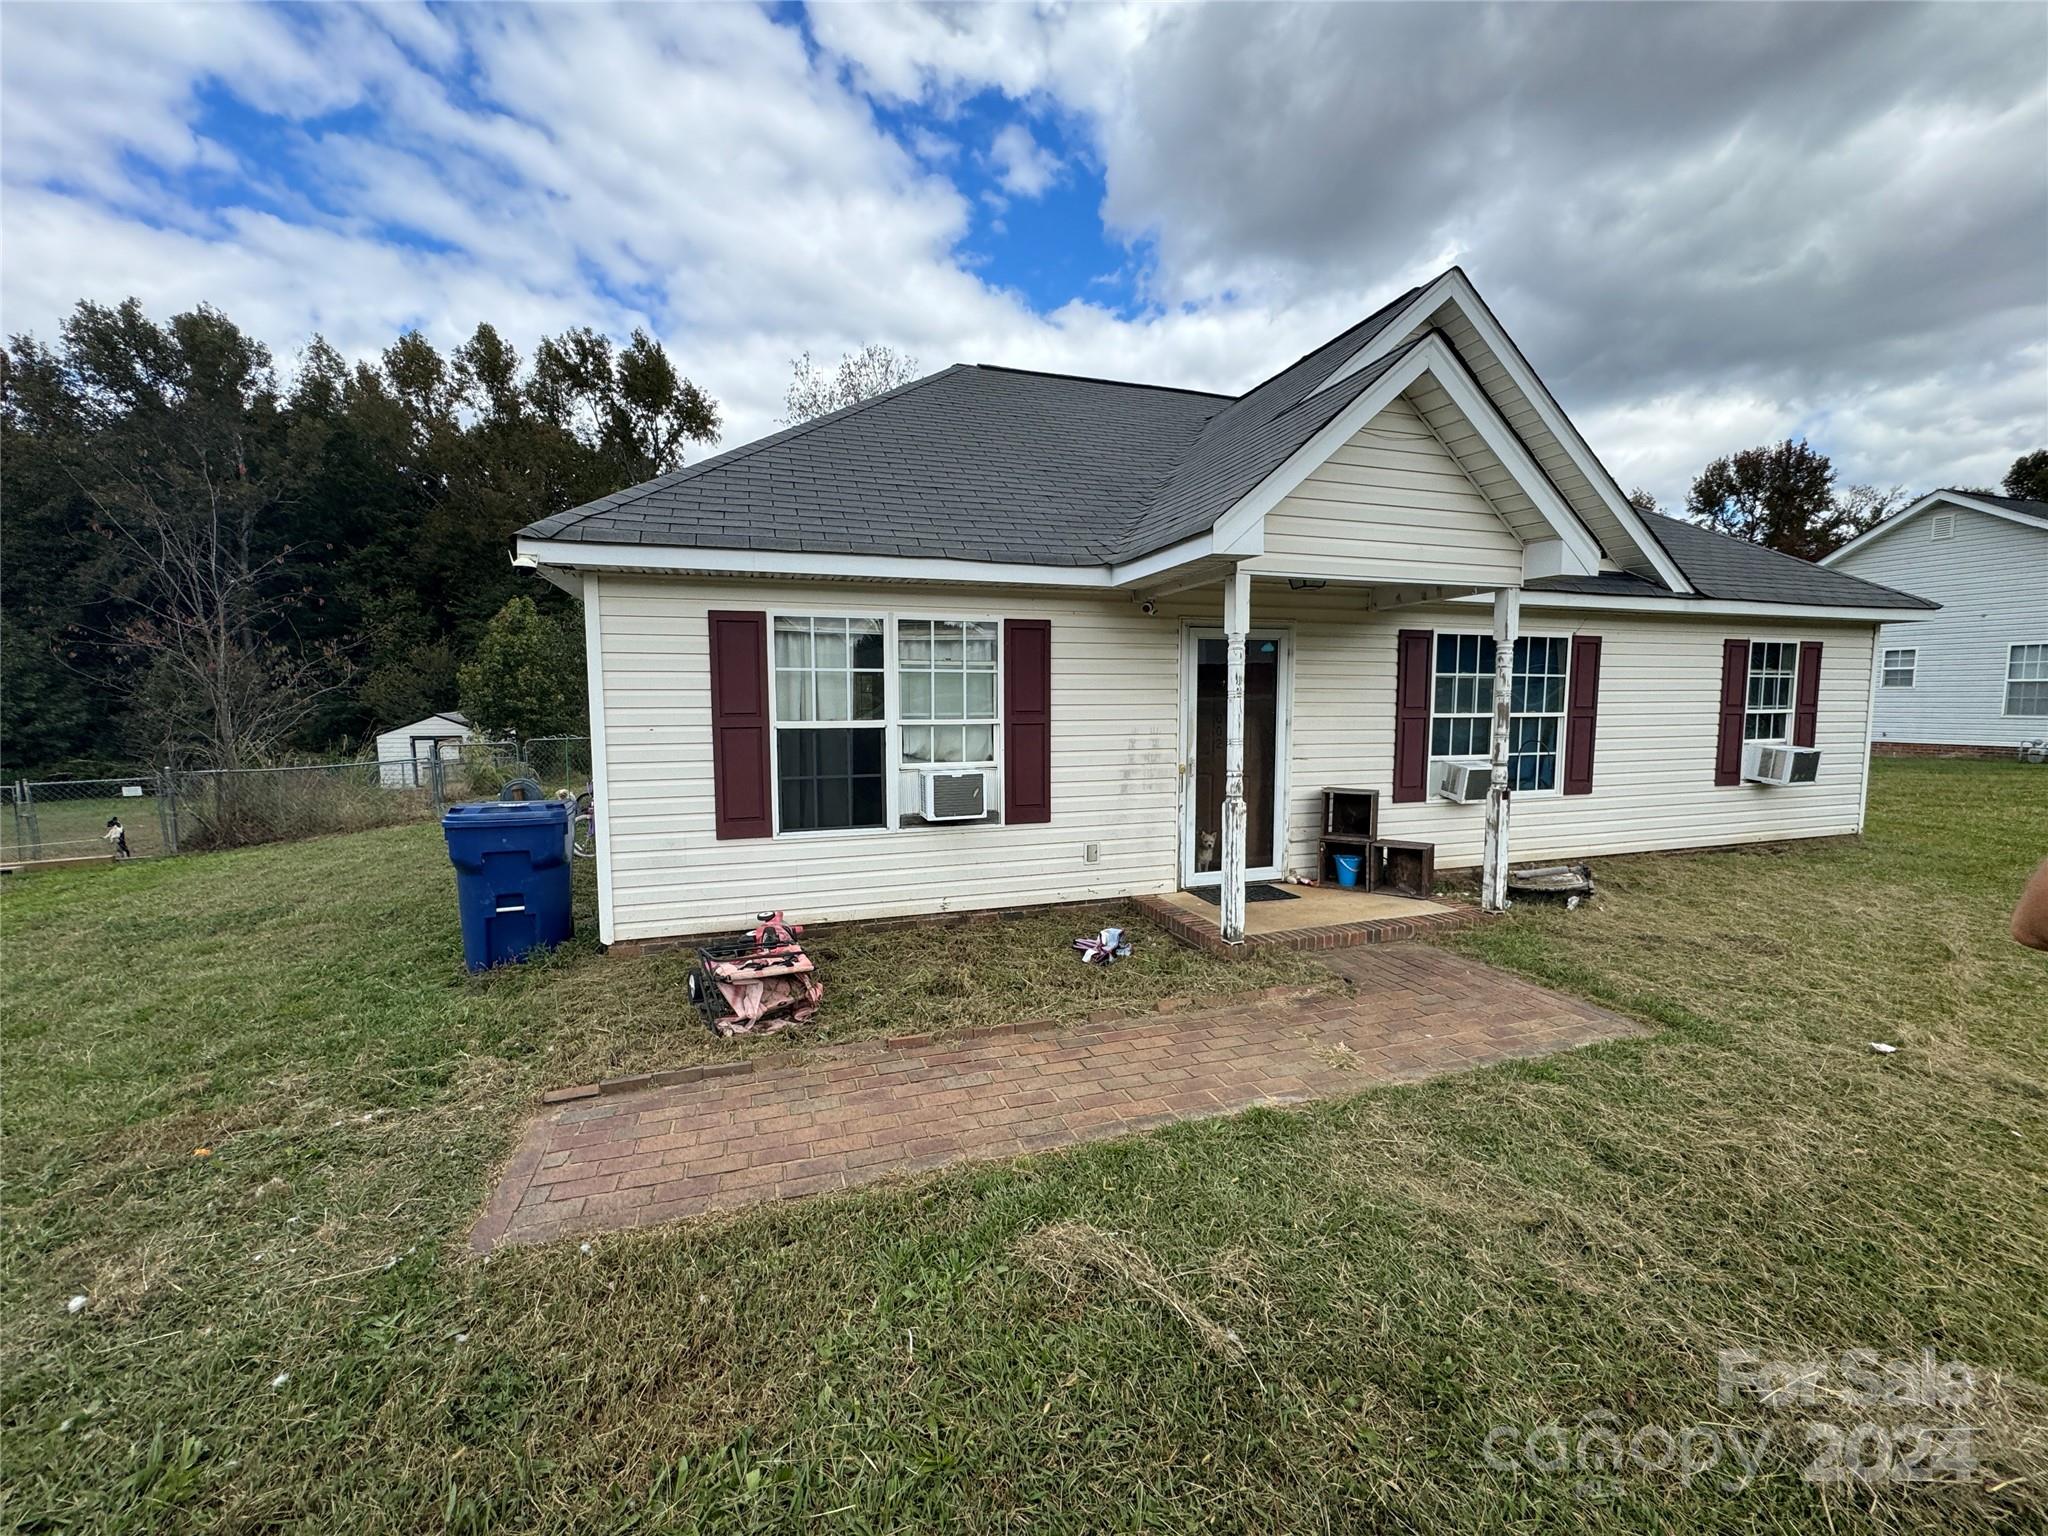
pixel 1493 863
pixel 1237 604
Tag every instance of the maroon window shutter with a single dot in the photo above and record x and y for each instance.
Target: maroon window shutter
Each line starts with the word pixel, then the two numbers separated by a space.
pixel 1411 714
pixel 1734 697
pixel 1581 708
pixel 1027 720
pixel 1806 710
pixel 740 724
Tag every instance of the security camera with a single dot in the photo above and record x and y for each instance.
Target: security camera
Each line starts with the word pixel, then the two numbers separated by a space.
pixel 1148 609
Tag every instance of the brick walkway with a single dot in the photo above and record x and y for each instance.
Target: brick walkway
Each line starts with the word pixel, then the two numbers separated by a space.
pixel 847 1116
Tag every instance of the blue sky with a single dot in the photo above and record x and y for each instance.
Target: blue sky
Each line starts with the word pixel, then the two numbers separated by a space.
pixel 1707 227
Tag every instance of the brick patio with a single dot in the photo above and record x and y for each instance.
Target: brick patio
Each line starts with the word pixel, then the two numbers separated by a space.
pixel 850 1115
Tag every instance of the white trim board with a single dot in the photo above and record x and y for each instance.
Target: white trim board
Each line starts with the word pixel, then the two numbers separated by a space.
pixel 600 785
pixel 1933 499
pixel 1710 607
pixel 681 560
pixel 1456 288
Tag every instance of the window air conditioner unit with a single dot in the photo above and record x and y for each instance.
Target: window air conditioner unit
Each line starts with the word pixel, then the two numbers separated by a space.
pixel 1463 780
pixel 953 794
pixel 1780 765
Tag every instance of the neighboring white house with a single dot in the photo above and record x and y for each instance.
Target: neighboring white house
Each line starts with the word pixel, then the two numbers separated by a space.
pixel 403 751
pixel 998 638
pixel 1973 677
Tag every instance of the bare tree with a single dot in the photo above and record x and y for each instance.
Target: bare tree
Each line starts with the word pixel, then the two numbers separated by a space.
pixel 873 370
pixel 174 441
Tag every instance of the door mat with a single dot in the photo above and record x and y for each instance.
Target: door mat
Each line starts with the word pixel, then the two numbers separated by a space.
pixel 1213 894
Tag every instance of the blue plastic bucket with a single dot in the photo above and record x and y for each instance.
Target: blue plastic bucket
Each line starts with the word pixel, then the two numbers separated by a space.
pixel 1347 867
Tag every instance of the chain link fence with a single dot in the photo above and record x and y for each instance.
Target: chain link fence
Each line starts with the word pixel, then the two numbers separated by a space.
pixel 76 819
pixel 557 763
pixel 171 811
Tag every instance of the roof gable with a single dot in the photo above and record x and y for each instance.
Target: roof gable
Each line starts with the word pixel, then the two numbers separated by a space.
pixel 1429 368
pixel 1451 306
pixel 2015 509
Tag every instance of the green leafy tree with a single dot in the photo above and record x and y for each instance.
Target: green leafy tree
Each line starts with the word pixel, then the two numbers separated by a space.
pixel 2028 477
pixel 1783 497
pixel 526 678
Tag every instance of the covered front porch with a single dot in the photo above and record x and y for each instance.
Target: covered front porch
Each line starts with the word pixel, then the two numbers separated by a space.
pixel 1245 789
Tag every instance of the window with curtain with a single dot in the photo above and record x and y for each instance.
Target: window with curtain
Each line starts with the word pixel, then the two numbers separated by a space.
pixel 831 724
pixel 2026 680
pixel 946 690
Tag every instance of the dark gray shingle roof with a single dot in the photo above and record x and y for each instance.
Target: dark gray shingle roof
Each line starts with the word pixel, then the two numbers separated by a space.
pixel 1720 565
pixel 996 464
pixel 968 464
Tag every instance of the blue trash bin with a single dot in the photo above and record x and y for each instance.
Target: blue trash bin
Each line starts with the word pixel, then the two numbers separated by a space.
pixel 511 878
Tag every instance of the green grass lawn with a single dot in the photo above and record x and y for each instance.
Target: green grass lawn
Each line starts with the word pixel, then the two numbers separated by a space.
pixel 1305 1320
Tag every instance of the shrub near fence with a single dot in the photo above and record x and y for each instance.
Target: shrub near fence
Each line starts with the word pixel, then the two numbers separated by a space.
pixel 234 807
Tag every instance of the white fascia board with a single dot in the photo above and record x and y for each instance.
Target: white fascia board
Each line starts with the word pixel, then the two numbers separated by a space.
pixel 1712 607
pixel 1932 499
pixel 1433 356
pixel 761 562
pixel 566 556
pixel 1454 287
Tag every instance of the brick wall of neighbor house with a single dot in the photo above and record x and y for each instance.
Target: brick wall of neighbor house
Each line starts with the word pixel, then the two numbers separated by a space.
pixel 1991 579
pixel 1943 749
pixel 1116 750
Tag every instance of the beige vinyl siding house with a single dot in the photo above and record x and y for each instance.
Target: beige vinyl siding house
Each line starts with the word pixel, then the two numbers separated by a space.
pixel 1117 750
pixel 1986 563
pixel 1040 594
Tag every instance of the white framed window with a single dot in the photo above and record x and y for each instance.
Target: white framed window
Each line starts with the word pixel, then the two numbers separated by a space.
pixel 863 701
pixel 2026 680
pixel 1900 666
pixel 1773 676
pixel 1461 705
pixel 947 691
pixel 831 723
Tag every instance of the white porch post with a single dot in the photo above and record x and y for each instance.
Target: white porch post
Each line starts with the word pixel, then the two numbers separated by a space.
pixel 1237 605
pixel 1493 864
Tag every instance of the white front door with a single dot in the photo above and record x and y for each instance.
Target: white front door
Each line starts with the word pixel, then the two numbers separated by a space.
pixel 1268 690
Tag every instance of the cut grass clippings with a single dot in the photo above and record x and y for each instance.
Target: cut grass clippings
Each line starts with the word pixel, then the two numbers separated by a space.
pixel 290 1332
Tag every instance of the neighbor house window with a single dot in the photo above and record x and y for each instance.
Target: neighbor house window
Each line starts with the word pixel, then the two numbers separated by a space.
pixel 1461 717
pixel 1899 667
pixel 2026 680
pixel 1773 668
pixel 946 690
pixel 831 724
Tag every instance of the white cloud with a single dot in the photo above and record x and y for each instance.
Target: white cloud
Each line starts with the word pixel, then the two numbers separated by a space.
pixel 1707 227
pixel 1023 166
